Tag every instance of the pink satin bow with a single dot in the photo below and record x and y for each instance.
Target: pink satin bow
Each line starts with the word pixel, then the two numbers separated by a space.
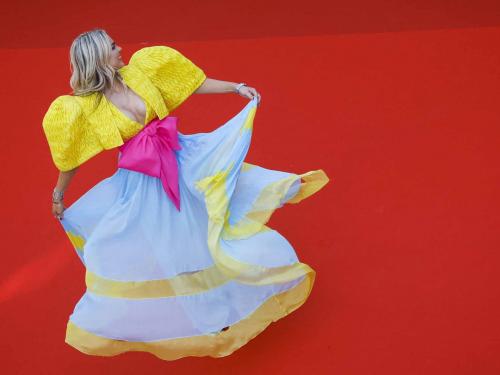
pixel 151 151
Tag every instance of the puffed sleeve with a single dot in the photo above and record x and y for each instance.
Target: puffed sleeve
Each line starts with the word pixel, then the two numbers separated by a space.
pixel 175 76
pixel 70 138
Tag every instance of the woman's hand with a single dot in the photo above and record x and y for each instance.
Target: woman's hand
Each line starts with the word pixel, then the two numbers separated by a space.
pixel 57 196
pixel 249 92
pixel 58 209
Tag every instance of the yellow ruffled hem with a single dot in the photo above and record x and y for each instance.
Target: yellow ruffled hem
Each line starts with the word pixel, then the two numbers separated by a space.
pixel 216 345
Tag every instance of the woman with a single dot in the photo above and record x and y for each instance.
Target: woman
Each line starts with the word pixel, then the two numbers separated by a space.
pixel 179 261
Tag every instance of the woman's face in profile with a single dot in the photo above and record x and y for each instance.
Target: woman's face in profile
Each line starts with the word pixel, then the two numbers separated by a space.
pixel 115 59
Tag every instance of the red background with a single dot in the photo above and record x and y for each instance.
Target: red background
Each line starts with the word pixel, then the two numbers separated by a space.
pixel 397 101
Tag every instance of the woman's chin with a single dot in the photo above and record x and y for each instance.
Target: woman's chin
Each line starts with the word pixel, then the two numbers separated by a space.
pixel 119 65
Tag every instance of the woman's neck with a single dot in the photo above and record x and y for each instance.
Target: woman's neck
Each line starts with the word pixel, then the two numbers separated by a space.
pixel 115 88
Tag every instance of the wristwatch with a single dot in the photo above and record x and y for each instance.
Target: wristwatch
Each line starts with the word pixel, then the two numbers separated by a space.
pixel 239 86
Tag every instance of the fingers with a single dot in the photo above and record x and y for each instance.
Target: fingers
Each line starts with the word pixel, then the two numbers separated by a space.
pixel 250 93
pixel 58 211
pixel 253 94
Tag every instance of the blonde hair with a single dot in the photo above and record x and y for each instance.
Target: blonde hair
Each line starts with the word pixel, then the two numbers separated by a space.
pixel 89 63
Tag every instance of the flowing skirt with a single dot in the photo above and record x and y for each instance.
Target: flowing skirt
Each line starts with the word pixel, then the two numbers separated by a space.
pixel 170 282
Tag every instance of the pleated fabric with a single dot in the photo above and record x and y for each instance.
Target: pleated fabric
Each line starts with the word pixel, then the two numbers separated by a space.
pixel 168 282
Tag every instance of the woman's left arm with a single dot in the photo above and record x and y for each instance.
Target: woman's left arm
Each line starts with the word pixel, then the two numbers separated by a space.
pixel 214 86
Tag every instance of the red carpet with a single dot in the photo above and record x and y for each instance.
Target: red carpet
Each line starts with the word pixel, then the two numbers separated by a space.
pixel 404 239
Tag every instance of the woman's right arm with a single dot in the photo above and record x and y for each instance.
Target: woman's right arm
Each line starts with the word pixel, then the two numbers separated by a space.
pixel 62 184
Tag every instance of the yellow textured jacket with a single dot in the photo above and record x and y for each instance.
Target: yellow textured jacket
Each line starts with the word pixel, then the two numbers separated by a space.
pixel 79 127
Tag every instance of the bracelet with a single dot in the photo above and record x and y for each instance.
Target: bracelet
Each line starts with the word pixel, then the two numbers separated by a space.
pixel 57 195
pixel 239 86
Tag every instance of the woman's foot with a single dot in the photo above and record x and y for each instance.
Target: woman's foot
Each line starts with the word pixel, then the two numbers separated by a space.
pixel 217 332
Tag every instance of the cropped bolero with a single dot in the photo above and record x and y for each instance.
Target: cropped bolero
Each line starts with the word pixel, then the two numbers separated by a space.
pixel 79 127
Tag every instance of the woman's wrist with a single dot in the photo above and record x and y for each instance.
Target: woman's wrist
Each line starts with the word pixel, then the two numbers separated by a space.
pixel 239 86
pixel 57 195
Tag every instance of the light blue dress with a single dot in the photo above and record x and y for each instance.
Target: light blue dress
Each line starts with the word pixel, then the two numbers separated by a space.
pixel 169 282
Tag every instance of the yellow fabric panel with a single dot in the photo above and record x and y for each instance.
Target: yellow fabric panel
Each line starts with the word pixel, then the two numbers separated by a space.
pixel 175 76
